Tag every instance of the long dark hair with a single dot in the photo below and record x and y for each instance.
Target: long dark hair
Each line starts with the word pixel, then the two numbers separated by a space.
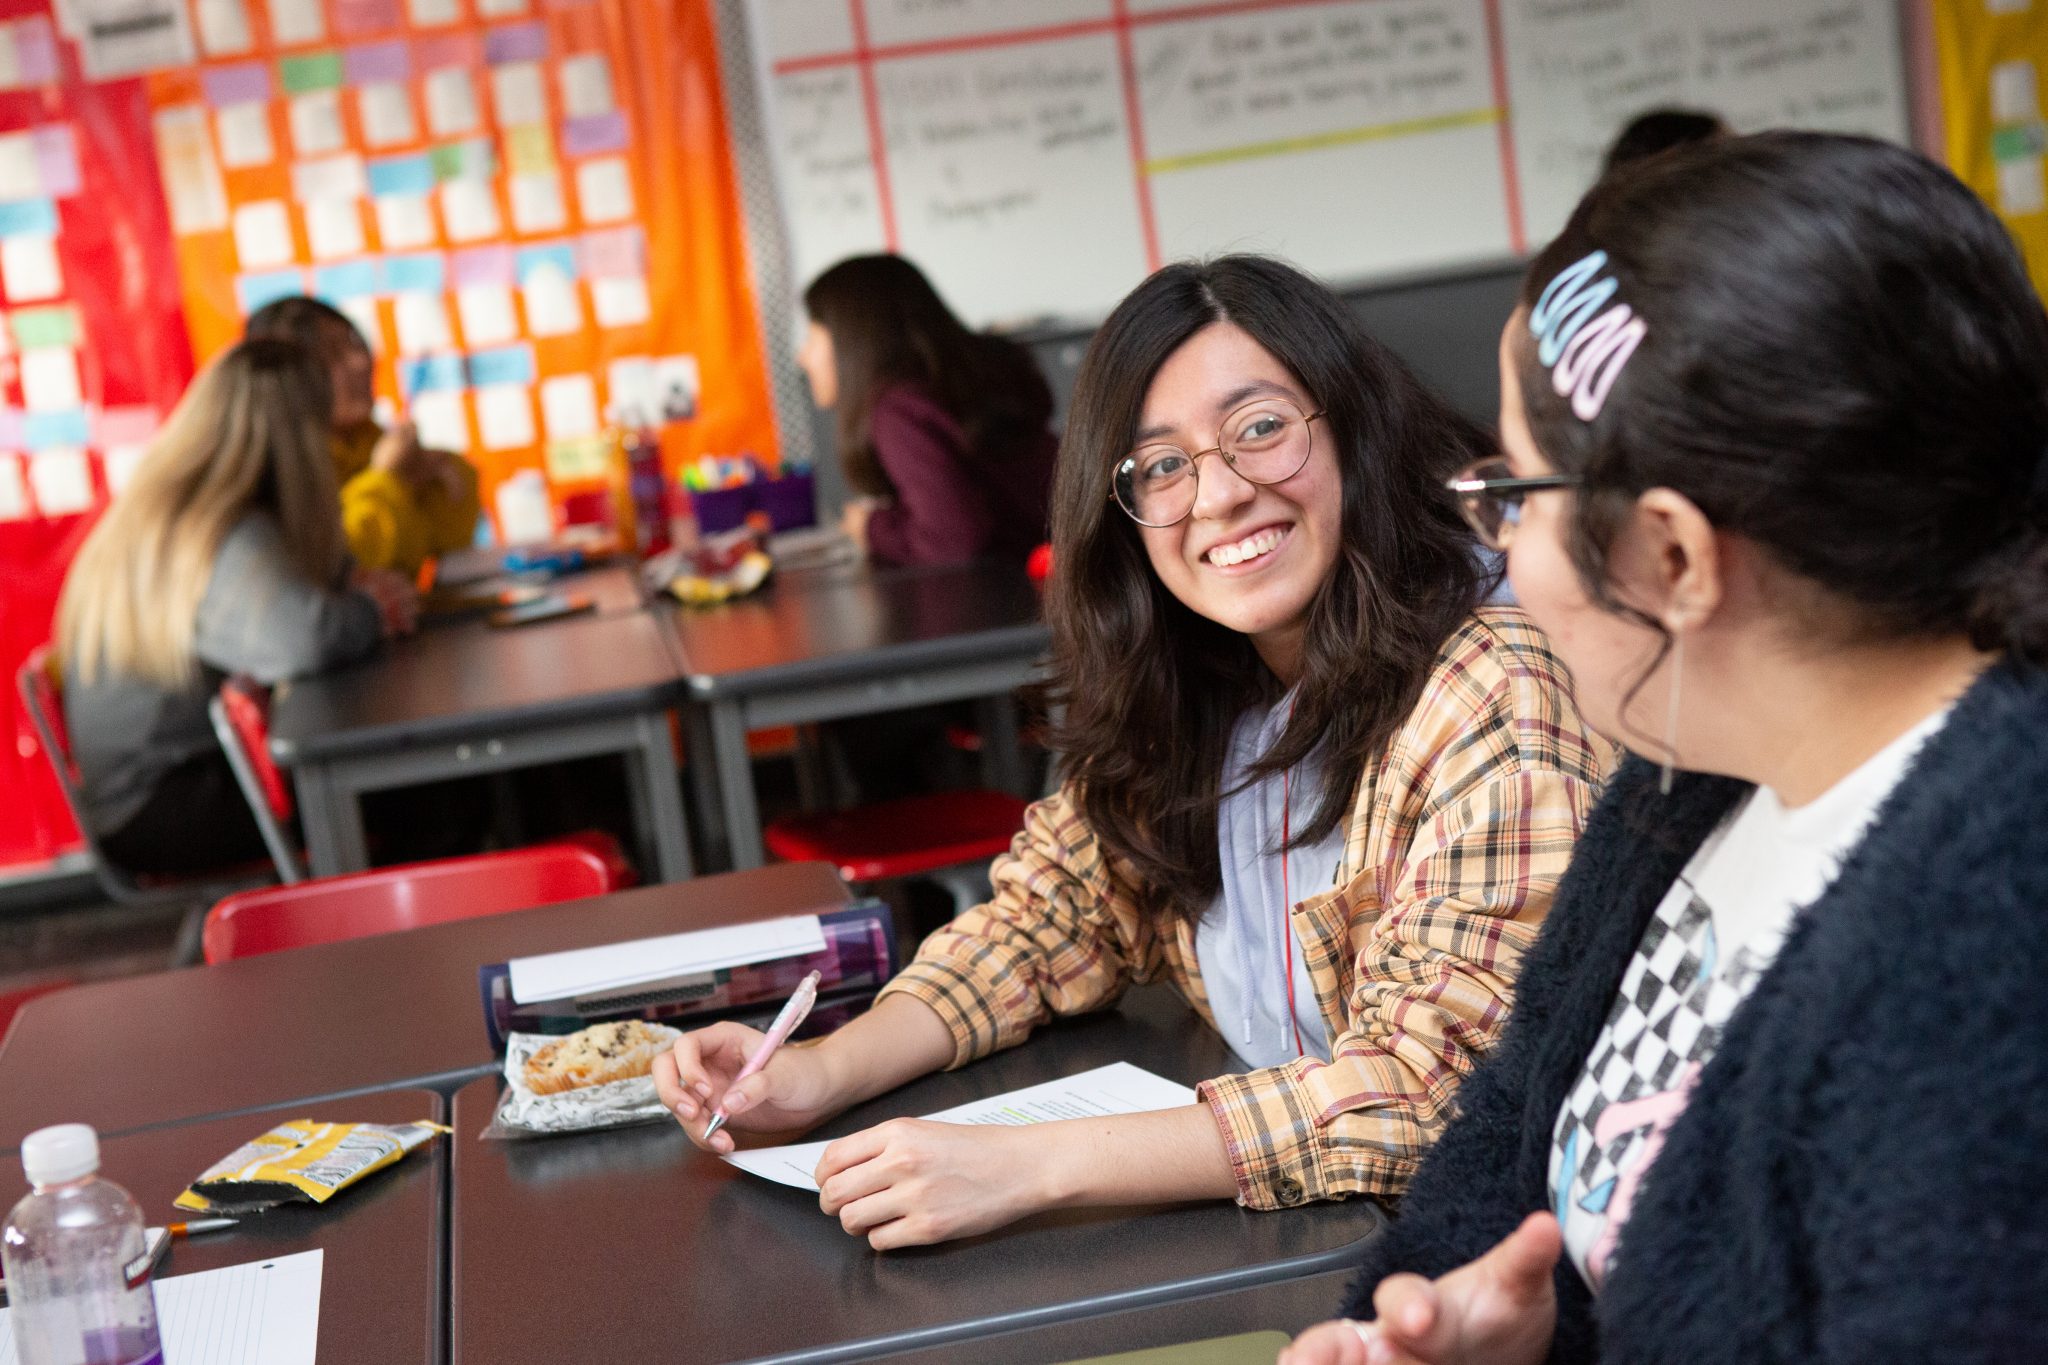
pixel 890 327
pixel 1845 364
pixel 1151 690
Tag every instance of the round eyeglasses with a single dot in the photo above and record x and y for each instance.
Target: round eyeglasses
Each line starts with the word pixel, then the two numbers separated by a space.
pixel 1265 441
pixel 1491 496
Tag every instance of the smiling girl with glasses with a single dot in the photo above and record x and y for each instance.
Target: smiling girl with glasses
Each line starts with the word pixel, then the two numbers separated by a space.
pixel 1310 780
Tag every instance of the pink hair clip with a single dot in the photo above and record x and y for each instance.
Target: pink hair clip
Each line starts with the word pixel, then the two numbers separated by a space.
pixel 1585 353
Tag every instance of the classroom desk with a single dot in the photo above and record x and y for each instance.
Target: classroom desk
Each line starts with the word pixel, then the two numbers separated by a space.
pixel 463 698
pixel 613 588
pixel 315 1023
pixel 819 644
pixel 383 1241
pixel 614 1246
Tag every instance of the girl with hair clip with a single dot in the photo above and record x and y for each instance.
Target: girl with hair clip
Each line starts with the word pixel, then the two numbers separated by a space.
pixel 942 431
pixel 1775 412
pixel 223 555
pixel 1311 780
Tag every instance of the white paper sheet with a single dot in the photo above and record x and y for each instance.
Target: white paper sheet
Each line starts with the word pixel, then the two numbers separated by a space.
pixel 553 306
pixel 441 420
pixel 128 37
pixel 498 9
pixel 2020 186
pixel 316 123
pixel 386 110
pixel 192 180
pixel 296 21
pixel 517 94
pixel 2013 97
pixel 28 268
pixel 537 202
pixel 20 175
pixel 504 418
pixel 604 190
pixel 619 302
pixel 431 13
pixel 422 322
pixel 580 971
pixel 263 235
pixel 14 499
pixel 258 1313
pixel 1118 1088
pixel 451 101
pixel 469 210
pixel 586 84
pixel 485 311
pixel 223 27
pixel 404 221
pixel 62 478
pixel 334 229
pixel 49 379
pixel 120 464
pixel 330 177
pixel 245 134
pixel 568 407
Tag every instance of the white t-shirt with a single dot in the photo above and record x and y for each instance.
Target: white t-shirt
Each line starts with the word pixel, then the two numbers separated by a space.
pixel 1714 934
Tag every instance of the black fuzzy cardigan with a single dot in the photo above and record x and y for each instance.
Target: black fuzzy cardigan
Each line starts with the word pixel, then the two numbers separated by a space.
pixel 1862 1171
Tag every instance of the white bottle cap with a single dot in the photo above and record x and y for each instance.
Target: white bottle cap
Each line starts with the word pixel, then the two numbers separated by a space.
pixel 68 1151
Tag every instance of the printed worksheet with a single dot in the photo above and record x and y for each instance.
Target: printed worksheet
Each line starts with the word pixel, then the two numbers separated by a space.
pixel 259 1313
pixel 1118 1088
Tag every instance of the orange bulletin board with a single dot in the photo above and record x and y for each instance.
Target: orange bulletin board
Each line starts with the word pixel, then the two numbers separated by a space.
pixel 1993 55
pixel 528 206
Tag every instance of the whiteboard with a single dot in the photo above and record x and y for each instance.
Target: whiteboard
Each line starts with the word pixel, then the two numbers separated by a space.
pixel 1038 158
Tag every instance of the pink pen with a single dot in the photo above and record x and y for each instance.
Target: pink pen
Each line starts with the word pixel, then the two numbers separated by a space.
pixel 795 1012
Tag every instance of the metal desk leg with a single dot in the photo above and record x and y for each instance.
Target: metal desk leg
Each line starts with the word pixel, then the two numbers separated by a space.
pixel 1002 766
pixel 736 784
pixel 331 814
pixel 705 807
pixel 661 796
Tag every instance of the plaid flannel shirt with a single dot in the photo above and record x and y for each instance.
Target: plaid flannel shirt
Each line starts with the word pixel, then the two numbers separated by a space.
pixel 1460 831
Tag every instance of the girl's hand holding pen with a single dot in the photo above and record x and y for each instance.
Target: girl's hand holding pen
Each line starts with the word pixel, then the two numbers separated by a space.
pixel 697 1076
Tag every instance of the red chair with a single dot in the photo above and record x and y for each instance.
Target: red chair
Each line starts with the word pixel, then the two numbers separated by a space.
pixel 389 899
pixel 908 837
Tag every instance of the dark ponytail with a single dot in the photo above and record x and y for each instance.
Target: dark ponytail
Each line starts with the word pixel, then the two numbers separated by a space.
pixel 1845 363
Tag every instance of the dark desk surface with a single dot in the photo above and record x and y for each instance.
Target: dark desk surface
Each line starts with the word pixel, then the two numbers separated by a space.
pixel 462 678
pixel 612 588
pixel 653 1246
pixel 381 1241
pixel 374 1012
pixel 831 624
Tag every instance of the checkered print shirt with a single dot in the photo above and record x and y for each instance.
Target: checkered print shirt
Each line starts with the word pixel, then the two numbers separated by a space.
pixel 1458 836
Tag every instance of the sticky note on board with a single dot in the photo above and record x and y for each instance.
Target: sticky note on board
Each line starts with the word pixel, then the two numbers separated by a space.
pixel 426 374
pixel 28 218
pixel 29 269
pixel 499 9
pixel 197 195
pixel 357 17
pixel 49 379
pixel 238 83
pixel 315 119
pixel 604 190
pixel 451 102
pixel 419 273
pixel 486 314
pixel 223 27
pixel 441 419
pixel 629 389
pixel 558 258
pixel 35 50
pixel 253 291
pixel 57 159
pixel 357 279
pixel 504 416
pixel 507 365
pixel 62 479
pixel 371 63
pixel 404 221
pixel 401 174
pixel 469 210
pixel 20 176
pixel 2020 187
pixel 245 134
pixel 2014 98
pixel 516 43
pixel 312 71
pixel 50 430
pixel 50 325
pixel 471 159
pixel 537 202
pixel 483 265
pixel 568 407
pixel 431 13
pixel 517 94
pixel 621 301
pixel 330 177
pixel 385 109
pixel 614 252
pixel 554 306
pixel 126 424
pixel 119 463
pixel 296 21
pixel 334 229
pixel 433 51
pixel 585 81
pixel 593 135
pixel 422 323
pixel 263 235
pixel 530 150
pixel 578 461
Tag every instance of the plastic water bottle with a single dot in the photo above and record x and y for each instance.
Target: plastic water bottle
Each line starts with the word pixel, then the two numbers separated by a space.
pixel 77 1272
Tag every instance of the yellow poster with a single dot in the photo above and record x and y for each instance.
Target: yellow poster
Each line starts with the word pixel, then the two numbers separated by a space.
pixel 1992 55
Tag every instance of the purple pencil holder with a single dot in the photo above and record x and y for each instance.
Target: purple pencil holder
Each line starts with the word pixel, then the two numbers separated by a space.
pixel 790 501
pixel 721 509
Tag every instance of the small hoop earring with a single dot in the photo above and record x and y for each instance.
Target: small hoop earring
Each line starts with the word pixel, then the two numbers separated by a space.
pixel 1671 715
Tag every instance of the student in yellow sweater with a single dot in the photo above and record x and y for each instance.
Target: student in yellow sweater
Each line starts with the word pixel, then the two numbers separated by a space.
pixel 401 503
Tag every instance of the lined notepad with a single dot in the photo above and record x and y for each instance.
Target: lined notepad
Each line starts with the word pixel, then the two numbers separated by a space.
pixel 261 1313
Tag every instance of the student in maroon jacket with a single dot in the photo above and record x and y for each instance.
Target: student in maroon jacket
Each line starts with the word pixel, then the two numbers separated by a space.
pixel 942 431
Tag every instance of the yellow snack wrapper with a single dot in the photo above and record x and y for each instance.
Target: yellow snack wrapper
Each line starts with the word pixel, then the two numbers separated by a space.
pixel 303 1161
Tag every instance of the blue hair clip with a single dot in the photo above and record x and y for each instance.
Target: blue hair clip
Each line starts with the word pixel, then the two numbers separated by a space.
pixel 1584 348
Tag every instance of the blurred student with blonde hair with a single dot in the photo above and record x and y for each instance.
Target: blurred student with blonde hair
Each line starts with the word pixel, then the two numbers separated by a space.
pixel 224 555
